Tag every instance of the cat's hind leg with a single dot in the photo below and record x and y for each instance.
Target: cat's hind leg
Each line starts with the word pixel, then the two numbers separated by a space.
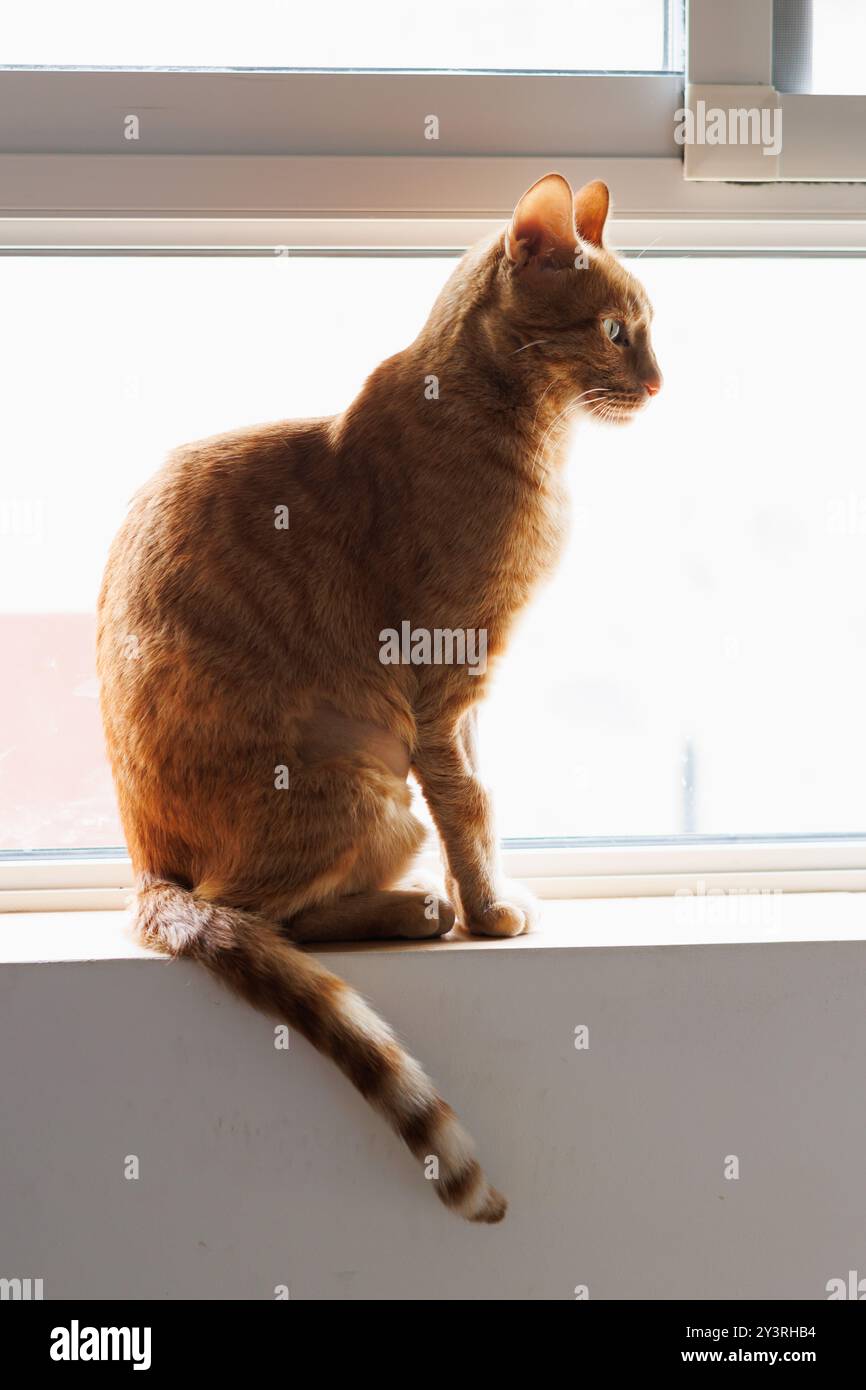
pixel 380 915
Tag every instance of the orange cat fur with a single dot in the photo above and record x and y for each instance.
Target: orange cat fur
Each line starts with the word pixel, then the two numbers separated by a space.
pixel 259 742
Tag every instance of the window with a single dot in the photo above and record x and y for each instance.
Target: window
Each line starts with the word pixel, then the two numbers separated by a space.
pixel 775 90
pixel 698 656
pixel 623 35
pixel 710 607
pixel 698 663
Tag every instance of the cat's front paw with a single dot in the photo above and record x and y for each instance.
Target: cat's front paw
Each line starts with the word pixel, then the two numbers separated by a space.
pixel 513 912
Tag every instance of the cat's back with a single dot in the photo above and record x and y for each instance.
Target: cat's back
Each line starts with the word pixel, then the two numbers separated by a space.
pixel 214 504
pixel 220 557
pixel 209 481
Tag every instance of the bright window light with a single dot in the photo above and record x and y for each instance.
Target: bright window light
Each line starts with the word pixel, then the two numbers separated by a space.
pixel 698 662
pixel 572 35
pixel 839 47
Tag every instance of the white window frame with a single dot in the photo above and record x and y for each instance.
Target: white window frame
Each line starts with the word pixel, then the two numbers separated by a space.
pixel 653 867
pixel 331 161
pixel 306 162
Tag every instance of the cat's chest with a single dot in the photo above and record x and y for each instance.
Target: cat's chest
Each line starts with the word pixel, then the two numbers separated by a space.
pixel 507 553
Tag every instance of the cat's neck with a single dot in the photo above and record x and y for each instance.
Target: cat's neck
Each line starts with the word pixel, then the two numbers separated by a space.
pixel 460 394
pixel 448 449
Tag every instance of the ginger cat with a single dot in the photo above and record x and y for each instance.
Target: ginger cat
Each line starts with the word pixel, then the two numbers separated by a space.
pixel 260 742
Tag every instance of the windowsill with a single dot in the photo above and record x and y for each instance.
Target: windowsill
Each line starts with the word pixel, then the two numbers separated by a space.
pixel 593 923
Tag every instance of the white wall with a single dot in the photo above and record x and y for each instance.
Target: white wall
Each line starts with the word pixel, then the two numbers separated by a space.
pixel 261 1167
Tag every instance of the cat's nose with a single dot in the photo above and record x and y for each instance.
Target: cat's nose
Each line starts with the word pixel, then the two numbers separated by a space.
pixel 653 385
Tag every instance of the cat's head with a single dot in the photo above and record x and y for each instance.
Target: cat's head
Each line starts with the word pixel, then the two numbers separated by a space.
pixel 581 321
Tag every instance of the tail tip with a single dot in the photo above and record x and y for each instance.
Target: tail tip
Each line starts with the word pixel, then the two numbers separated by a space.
pixel 493 1208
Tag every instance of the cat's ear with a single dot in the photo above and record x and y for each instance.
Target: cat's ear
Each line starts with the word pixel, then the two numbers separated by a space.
pixel 591 205
pixel 542 228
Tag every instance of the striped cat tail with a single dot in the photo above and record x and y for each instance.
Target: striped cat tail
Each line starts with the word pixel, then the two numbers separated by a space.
pixel 256 961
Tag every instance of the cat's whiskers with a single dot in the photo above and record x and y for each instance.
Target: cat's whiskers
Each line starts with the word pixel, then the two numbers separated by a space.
pixel 649 247
pixel 607 411
pixel 566 409
pixel 539 342
pixel 566 414
pixel 541 402
pixel 592 391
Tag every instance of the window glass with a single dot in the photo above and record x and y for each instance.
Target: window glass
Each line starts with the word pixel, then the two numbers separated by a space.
pixel 574 35
pixel 698 662
pixel 839 47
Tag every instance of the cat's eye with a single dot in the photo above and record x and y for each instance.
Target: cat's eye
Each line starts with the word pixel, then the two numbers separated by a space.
pixel 614 330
